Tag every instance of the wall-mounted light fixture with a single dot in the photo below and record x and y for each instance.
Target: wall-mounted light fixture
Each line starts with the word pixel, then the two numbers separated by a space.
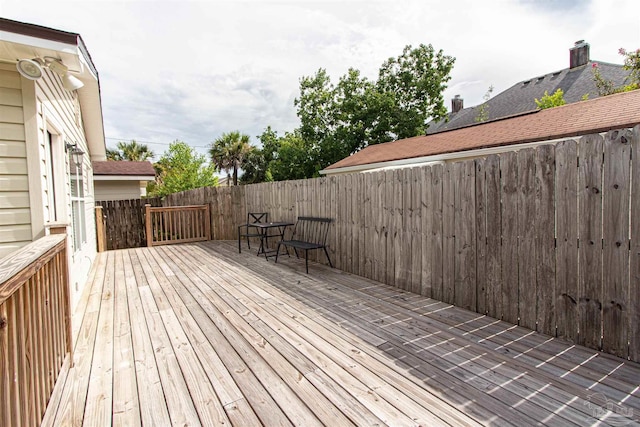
pixel 76 152
pixel 32 70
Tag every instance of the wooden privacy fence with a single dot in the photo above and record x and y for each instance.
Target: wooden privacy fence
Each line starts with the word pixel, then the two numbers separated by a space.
pixel 547 237
pixel 177 224
pixel 123 222
pixel 35 328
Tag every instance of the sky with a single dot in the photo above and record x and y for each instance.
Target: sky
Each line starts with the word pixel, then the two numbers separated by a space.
pixel 193 70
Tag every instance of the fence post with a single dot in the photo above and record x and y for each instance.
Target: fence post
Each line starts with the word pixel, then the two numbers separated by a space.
pixel 147 223
pixel 101 236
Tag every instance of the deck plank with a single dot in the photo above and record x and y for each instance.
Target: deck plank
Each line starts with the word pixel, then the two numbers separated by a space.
pixel 197 334
pixel 340 353
pixel 126 407
pixel 291 364
pixel 151 398
pixel 100 393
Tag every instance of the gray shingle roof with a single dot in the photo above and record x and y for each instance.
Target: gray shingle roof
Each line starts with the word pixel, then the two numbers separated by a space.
pixel 520 98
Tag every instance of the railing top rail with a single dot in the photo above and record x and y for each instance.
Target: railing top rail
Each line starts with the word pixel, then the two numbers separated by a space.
pixel 18 266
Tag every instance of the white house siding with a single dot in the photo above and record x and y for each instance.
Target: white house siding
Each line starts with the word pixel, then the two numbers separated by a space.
pixel 15 218
pixel 118 190
pixel 58 112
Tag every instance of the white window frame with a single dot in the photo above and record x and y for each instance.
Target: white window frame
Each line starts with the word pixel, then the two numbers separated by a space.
pixel 78 203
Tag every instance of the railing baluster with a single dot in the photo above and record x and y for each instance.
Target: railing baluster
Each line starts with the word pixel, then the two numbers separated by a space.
pixel 14 363
pixel 5 386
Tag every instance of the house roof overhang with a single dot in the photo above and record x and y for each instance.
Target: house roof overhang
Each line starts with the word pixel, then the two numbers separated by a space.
pixel 19 40
pixel 123 178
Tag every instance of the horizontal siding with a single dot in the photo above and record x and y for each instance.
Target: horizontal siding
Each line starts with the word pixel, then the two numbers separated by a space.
pixel 12 131
pixel 18 216
pixel 15 214
pixel 14 183
pixel 10 97
pixel 13 166
pixel 11 114
pixel 14 199
pixel 15 233
pixel 12 149
pixel 122 190
pixel 10 79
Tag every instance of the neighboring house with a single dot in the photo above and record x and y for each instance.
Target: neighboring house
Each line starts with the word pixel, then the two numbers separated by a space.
pixel 576 82
pixel 537 127
pixel 50 130
pixel 121 180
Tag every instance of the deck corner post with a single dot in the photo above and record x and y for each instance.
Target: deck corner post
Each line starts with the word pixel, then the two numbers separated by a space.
pixel 207 221
pixel 101 236
pixel 147 223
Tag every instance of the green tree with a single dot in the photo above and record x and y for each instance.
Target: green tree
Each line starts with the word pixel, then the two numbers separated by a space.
pixel 292 159
pixel 256 165
pixel 338 120
pixel 229 152
pixel 180 168
pixel 114 155
pixel 131 151
pixel 415 82
pixel 550 101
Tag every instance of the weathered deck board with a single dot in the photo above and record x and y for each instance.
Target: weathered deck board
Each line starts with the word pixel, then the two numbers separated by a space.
pixel 197 334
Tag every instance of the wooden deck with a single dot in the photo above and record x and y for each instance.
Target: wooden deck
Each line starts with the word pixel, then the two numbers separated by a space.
pixel 197 334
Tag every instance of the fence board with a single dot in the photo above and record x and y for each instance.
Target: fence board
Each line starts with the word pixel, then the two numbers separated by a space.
pixel 527 292
pixel 617 157
pixel 545 239
pixel 634 285
pixel 369 229
pixel 426 240
pixel 566 240
pixel 481 236
pixel 509 194
pixel 464 236
pixel 389 225
pixel 590 248
pixel 436 248
pixel 494 237
pixel 379 258
pixel 416 230
pixel 448 231
pixel 401 245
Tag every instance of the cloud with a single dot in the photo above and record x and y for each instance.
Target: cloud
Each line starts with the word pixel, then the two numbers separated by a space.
pixel 192 70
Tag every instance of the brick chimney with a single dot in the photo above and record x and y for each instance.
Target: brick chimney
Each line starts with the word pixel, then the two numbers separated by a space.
pixel 579 54
pixel 457 104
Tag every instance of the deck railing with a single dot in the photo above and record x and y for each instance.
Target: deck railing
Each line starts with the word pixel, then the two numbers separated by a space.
pixel 35 328
pixel 177 224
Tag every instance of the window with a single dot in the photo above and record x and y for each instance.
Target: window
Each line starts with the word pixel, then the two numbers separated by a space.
pixel 78 223
pixel 51 178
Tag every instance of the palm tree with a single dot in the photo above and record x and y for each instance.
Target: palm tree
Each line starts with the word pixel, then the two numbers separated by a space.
pixel 229 152
pixel 114 154
pixel 131 151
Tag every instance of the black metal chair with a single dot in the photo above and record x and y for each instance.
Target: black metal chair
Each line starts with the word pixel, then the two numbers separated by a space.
pixel 249 230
